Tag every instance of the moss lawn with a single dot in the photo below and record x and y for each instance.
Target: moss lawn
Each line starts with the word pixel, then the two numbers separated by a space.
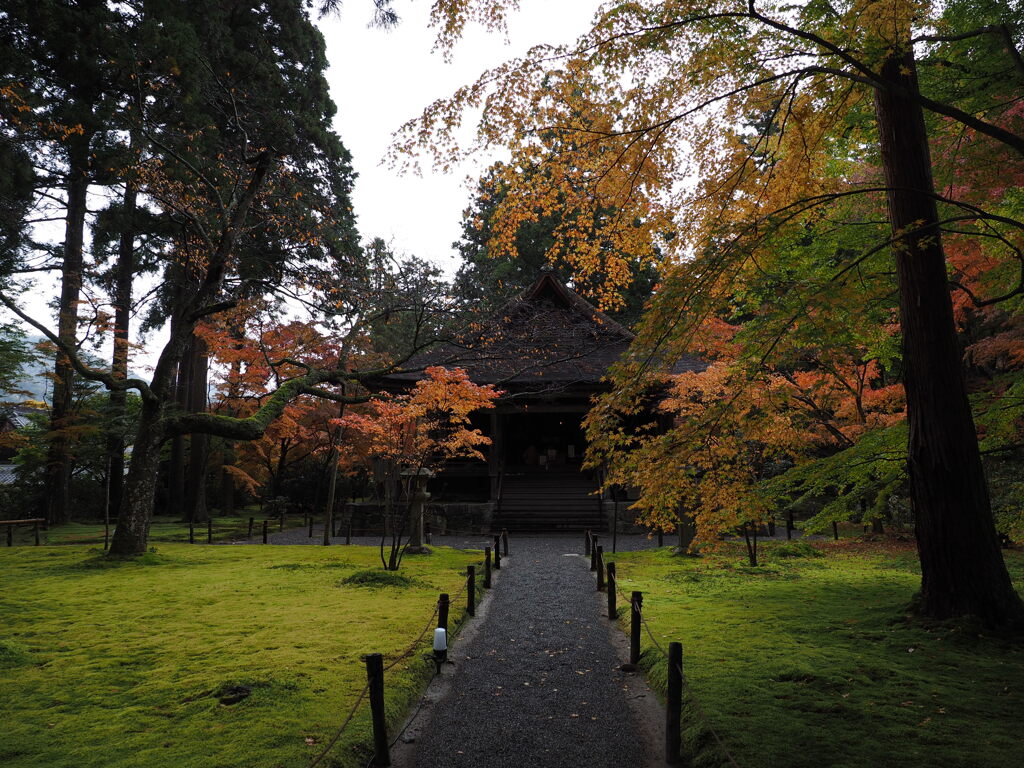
pixel 811 661
pixel 124 664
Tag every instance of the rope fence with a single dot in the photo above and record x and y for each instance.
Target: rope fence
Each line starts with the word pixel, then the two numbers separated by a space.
pixel 678 681
pixel 375 668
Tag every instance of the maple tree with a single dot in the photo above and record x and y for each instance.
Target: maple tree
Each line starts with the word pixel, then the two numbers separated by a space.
pixel 714 131
pixel 405 436
pixel 255 355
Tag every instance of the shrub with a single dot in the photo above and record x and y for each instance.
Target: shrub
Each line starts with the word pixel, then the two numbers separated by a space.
pixel 796 549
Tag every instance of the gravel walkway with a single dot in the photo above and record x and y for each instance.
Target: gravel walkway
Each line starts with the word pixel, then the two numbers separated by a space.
pixel 535 679
pixel 538 683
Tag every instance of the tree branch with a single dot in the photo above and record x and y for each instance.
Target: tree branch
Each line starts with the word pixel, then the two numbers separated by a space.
pixel 81 368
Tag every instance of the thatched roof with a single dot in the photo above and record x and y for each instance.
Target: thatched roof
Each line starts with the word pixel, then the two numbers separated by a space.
pixel 549 337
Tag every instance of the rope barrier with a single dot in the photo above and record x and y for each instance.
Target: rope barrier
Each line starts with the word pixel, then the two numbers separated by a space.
pixel 409 651
pixel 341 729
pixel 412 647
pixel 682 673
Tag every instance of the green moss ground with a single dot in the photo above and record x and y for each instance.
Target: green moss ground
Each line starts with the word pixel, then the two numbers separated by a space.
pixel 810 661
pixel 164 529
pixel 120 664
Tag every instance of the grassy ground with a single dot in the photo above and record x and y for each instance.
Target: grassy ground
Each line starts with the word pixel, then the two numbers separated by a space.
pixel 123 664
pixel 164 529
pixel 810 661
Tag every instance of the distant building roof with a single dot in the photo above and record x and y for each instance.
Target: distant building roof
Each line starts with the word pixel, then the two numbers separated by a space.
pixel 17 416
pixel 7 474
pixel 549 337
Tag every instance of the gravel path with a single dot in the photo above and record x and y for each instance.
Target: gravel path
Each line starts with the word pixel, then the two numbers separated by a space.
pixel 535 679
pixel 538 683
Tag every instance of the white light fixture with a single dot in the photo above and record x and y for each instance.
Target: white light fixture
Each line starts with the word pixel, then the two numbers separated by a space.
pixel 440 648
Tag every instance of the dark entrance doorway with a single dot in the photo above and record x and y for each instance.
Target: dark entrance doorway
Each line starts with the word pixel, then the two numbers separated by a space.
pixel 536 442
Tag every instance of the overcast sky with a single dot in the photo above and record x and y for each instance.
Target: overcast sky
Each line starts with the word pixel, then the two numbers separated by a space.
pixel 381 78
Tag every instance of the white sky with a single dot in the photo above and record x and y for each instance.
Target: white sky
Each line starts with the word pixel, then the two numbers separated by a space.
pixel 381 78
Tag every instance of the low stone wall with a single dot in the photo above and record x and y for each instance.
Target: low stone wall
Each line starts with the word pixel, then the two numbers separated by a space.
pixel 460 517
pixel 368 518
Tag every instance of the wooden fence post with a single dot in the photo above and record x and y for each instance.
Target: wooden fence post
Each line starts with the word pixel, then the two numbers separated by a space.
pixel 209 531
pixel 586 544
pixel 600 568
pixel 249 534
pixel 504 541
pixel 835 530
pixel 265 531
pixel 442 611
pixel 191 533
pixel 497 553
pixel 487 567
pixel 35 531
pixel 311 526
pixel 593 553
pixel 674 703
pixel 661 538
pixel 375 678
pixel 636 606
pixel 348 532
pixel 471 590
pixel 612 610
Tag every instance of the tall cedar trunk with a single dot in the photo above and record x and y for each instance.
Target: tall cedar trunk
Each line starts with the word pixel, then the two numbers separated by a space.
pixel 58 459
pixel 227 480
pixel 119 365
pixel 282 462
pixel 176 469
pixel 132 532
pixel 136 511
pixel 962 569
pixel 198 444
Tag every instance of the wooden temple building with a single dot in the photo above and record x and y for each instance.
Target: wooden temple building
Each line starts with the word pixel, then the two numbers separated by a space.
pixel 548 350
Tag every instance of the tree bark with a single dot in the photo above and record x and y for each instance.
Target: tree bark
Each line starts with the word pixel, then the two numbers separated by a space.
pixel 132 533
pixel 125 271
pixel 176 469
pixel 198 443
pixel 962 568
pixel 58 459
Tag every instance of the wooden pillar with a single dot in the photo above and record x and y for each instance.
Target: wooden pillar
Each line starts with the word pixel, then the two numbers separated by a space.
pixel 495 453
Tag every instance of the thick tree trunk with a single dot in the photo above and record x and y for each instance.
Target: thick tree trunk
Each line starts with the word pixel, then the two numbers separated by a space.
pixel 176 469
pixel 132 533
pixel 198 444
pixel 58 459
pixel 119 365
pixel 962 569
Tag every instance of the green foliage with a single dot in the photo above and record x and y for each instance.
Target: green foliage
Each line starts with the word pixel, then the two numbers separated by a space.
pixel 136 682
pixel 819 646
pixel 869 471
pixel 791 549
pixel 15 354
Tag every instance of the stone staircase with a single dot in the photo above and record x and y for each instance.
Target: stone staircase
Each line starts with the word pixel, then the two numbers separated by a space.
pixel 548 502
